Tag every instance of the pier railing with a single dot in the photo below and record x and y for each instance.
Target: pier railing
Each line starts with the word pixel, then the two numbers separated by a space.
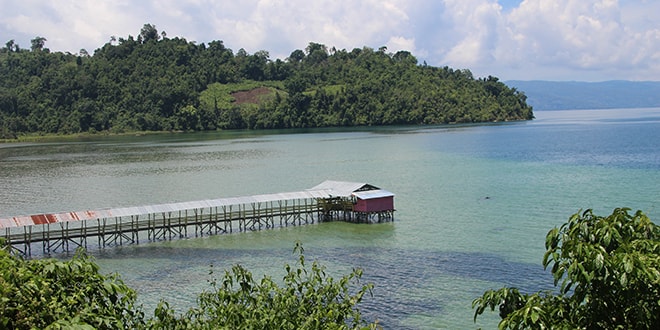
pixel 64 232
pixel 116 231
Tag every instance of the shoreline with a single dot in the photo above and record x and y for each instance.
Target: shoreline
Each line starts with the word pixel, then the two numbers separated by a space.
pixel 54 137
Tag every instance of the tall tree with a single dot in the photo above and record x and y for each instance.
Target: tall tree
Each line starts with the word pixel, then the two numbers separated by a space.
pixel 9 46
pixel 38 43
pixel 316 53
pixel 149 33
pixel 296 56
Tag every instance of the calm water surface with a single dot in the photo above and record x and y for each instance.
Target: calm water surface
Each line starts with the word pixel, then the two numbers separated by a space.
pixel 473 202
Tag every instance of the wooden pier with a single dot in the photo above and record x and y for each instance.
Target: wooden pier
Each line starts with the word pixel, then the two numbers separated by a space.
pixel 63 232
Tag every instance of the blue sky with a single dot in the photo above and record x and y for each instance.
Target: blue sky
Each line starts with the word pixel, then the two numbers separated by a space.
pixel 581 40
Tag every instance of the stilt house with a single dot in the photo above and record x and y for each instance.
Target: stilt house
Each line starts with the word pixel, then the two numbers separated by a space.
pixel 357 201
pixel 330 200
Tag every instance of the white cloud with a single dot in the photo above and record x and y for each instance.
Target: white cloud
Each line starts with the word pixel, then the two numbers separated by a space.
pixel 67 25
pixel 577 33
pixel 594 35
pixel 548 39
pixel 512 39
pixel 282 26
pixel 477 23
pixel 396 44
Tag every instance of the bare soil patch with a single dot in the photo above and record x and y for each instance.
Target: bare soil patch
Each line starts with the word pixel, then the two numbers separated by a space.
pixel 251 96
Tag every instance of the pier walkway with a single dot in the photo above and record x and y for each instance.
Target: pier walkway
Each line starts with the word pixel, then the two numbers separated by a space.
pixel 63 232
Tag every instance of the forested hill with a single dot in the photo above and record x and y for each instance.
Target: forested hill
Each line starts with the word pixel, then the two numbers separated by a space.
pixel 154 83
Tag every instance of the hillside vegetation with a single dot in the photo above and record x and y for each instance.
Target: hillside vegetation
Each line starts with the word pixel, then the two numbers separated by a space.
pixel 156 83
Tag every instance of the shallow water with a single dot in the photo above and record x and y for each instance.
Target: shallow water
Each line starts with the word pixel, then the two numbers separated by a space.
pixel 473 202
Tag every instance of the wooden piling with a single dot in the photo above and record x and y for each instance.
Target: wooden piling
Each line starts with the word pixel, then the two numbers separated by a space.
pixel 63 232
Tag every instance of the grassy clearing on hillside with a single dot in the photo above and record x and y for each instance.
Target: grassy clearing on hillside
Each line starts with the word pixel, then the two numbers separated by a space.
pixel 220 95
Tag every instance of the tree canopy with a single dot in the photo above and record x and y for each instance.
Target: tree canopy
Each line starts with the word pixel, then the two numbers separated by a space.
pixel 154 82
pixel 608 272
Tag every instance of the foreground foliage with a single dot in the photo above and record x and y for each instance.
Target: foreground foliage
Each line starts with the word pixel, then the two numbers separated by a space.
pixel 52 294
pixel 608 272
pixel 156 83
pixel 308 299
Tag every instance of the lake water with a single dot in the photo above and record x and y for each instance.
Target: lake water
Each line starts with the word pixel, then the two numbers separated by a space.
pixel 473 202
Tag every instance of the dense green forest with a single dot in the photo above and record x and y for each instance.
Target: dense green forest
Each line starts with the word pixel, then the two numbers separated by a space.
pixel 155 83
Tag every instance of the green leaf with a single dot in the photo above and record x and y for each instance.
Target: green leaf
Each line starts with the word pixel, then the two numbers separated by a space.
pixel 623 279
pixel 627 265
pixel 534 316
pixel 599 261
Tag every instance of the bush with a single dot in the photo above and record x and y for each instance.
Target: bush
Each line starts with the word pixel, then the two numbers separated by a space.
pixel 308 299
pixel 609 270
pixel 52 294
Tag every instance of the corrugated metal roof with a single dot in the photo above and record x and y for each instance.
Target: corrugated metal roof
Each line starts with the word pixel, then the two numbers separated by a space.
pixel 324 190
pixel 36 219
pixel 372 194
pixel 340 188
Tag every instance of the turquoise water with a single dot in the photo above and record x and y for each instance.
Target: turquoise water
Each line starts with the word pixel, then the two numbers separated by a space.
pixel 473 202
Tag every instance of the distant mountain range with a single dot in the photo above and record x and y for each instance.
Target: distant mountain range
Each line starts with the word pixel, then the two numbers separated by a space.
pixel 559 95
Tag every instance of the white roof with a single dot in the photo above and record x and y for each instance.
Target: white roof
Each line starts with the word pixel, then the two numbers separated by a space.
pixel 373 194
pixel 324 190
pixel 38 219
pixel 341 188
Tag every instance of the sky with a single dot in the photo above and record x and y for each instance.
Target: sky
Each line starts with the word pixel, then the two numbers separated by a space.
pixel 560 40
